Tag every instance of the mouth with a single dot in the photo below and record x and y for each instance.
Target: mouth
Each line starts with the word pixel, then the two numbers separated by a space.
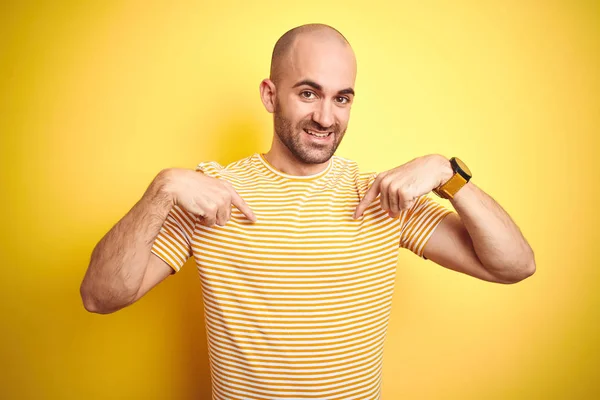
pixel 318 135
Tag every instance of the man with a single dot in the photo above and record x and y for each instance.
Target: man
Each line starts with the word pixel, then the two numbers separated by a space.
pixel 298 276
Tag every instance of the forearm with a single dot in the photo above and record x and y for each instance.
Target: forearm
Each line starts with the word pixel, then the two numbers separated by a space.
pixel 118 262
pixel 497 240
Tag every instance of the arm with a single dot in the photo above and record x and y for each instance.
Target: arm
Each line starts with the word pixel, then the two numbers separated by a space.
pixel 132 258
pixel 482 240
pixel 122 268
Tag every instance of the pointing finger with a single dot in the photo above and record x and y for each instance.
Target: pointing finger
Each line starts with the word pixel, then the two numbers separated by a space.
pixel 368 199
pixel 241 205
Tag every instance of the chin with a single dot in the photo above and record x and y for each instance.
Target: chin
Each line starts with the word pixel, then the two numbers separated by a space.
pixel 316 157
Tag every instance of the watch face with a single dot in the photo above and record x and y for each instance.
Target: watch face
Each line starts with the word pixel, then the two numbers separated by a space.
pixel 463 166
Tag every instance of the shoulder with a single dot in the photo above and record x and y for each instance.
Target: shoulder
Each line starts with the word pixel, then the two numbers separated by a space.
pixel 213 168
pixel 209 167
pixel 352 168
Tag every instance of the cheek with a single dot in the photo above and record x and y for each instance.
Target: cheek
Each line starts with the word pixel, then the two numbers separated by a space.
pixel 297 111
pixel 303 114
pixel 343 115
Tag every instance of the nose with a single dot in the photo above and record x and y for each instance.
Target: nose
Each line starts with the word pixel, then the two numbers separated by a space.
pixel 323 115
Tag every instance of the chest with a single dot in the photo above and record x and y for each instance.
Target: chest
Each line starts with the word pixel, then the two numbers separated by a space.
pixel 300 225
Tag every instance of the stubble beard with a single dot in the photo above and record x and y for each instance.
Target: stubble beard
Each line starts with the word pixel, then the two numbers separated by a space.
pixel 292 139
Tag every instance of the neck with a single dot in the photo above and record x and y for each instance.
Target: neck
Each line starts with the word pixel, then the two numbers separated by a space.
pixel 280 157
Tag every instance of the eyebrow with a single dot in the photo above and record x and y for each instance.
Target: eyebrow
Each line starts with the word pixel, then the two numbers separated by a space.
pixel 316 86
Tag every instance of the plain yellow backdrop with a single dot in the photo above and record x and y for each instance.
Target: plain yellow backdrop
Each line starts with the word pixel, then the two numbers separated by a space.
pixel 97 97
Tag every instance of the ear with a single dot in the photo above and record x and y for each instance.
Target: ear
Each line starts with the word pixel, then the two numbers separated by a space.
pixel 267 94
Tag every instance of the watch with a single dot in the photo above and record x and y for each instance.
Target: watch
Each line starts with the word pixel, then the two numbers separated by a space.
pixel 462 175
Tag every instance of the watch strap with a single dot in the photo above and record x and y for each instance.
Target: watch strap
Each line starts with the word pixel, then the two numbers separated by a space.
pixel 453 185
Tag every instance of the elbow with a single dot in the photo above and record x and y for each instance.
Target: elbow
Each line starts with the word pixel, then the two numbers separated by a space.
pixel 524 272
pixel 91 307
pixel 529 268
pixel 90 303
pixel 93 304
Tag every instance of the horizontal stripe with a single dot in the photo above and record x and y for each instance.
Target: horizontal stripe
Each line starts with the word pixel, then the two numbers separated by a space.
pixel 298 303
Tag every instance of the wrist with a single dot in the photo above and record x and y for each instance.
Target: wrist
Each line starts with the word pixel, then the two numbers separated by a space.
pixel 445 171
pixel 162 186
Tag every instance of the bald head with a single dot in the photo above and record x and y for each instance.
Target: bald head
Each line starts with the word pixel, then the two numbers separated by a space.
pixel 283 52
pixel 310 93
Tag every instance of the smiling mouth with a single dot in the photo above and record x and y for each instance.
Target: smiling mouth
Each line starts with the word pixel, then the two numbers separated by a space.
pixel 317 134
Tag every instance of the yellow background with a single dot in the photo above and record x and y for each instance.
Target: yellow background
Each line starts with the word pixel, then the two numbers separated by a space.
pixel 97 97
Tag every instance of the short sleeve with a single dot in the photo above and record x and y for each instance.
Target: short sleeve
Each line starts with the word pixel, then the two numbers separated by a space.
pixel 418 223
pixel 173 242
pixel 210 168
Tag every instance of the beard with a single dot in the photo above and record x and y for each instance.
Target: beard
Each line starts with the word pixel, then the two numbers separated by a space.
pixel 292 137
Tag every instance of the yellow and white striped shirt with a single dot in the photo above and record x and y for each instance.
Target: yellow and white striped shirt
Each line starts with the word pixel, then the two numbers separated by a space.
pixel 297 304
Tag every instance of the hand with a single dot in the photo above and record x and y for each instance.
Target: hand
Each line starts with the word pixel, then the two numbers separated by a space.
pixel 401 186
pixel 206 197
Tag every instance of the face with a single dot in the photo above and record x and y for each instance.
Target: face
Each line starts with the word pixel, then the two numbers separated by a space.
pixel 313 99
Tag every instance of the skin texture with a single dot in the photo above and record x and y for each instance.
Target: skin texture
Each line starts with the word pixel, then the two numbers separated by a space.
pixel 480 239
pixel 122 268
pixel 311 87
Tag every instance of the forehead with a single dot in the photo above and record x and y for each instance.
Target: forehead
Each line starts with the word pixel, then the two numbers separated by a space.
pixel 325 61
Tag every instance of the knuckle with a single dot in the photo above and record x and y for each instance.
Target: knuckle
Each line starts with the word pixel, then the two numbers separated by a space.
pixel 219 202
pixel 197 211
pixel 165 172
pixel 227 197
pixel 206 221
pixel 211 208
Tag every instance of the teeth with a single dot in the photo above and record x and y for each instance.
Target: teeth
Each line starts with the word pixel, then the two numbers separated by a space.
pixel 321 135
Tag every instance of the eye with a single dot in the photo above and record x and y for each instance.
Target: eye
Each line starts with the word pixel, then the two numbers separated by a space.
pixel 306 94
pixel 342 99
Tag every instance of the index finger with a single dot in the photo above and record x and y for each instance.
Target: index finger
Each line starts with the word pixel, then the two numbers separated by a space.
pixel 369 197
pixel 241 205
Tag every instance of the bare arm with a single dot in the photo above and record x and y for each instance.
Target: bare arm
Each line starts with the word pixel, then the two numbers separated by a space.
pixel 123 268
pixel 117 273
pixel 482 240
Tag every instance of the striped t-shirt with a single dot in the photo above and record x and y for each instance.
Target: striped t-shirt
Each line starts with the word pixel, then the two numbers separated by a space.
pixel 297 304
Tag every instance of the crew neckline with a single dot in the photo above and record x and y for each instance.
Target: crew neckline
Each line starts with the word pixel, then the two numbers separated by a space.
pixel 277 172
